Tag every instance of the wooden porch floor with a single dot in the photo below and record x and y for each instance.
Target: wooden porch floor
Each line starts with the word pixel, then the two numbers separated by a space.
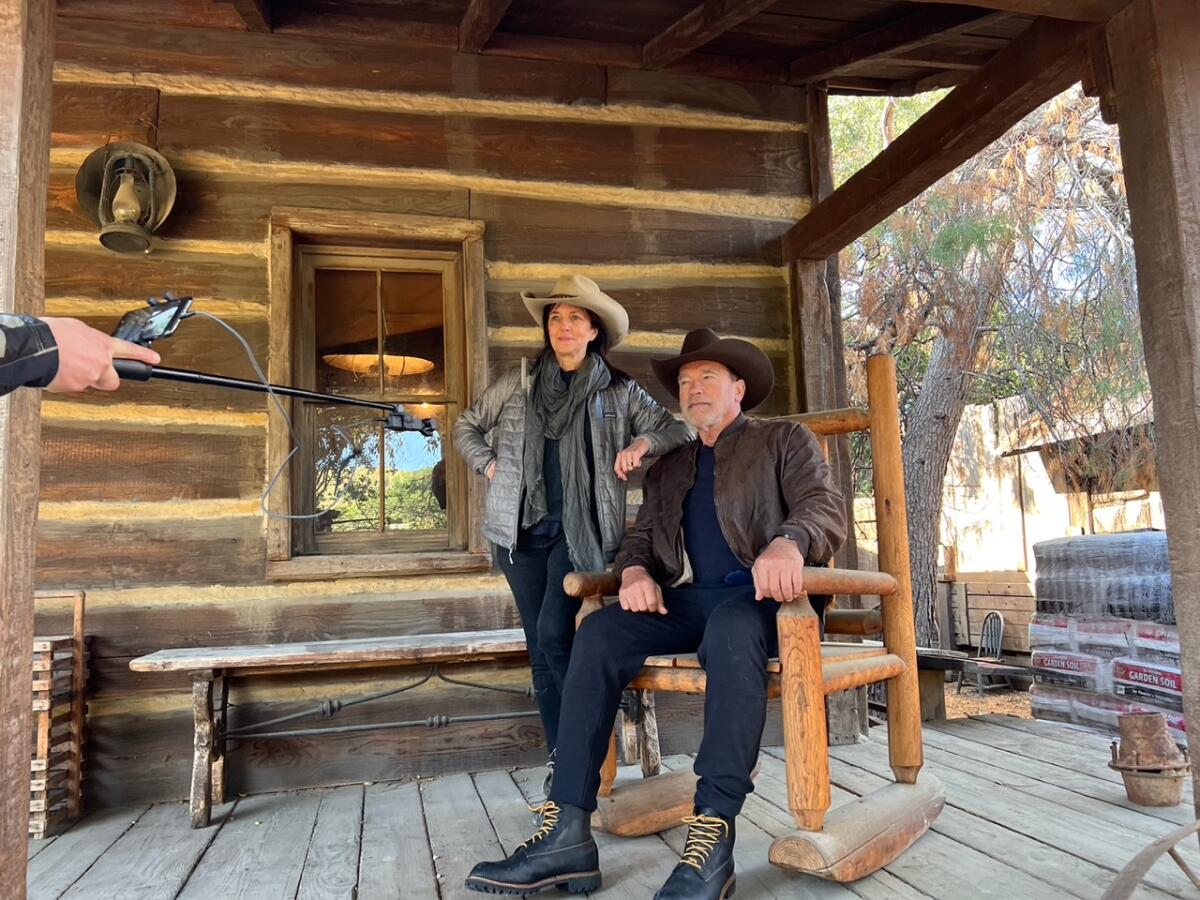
pixel 1033 811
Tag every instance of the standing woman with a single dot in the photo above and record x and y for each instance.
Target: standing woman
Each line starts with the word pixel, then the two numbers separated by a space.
pixel 556 442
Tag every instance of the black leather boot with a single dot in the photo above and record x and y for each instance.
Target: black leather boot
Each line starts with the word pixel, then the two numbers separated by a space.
pixel 705 871
pixel 561 853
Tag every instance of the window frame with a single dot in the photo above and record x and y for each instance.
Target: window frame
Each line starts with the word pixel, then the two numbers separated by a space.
pixel 450 246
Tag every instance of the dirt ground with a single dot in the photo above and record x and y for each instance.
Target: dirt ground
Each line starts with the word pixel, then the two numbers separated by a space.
pixel 1000 702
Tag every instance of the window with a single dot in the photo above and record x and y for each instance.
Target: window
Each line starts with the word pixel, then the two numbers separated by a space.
pixel 387 323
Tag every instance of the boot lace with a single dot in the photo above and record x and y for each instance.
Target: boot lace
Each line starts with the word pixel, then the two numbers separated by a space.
pixel 703 834
pixel 549 811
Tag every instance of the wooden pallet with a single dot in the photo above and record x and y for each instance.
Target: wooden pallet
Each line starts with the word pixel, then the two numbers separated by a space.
pixel 59 665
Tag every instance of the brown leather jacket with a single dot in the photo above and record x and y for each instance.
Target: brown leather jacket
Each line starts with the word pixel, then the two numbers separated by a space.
pixel 771 480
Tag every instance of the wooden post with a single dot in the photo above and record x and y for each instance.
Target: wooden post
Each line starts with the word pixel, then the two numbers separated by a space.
pixel 78 709
pixel 1156 70
pixel 220 726
pixel 26 56
pixel 202 769
pixel 802 691
pixel 891 518
pixel 608 771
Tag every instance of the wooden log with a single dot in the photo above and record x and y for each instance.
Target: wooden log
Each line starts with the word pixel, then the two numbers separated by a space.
pixel 648 746
pixel 817 580
pixel 202 774
pixel 27 48
pixel 844 675
pixel 90 116
pixel 853 621
pixel 864 835
pixel 1152 45
pixel 804 728
pixel 697 27
pixel 646 807
pixel 479 22
pixel 220 724
pixel 833 421
pixel 891 517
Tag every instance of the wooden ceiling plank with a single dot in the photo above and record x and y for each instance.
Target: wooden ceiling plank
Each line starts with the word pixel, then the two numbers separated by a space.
pixel 479 23
pixel 1073 10
pixel 909 33
pixel 1044 61
pixel 704 23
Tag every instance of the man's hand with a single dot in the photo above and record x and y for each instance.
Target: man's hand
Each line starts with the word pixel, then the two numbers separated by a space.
pixel 85 356
pixel 631 457
pixel 640 592
pixel 490 471
pixel 779 572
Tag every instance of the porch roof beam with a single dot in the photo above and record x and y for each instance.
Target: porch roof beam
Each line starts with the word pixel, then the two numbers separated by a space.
pixel 1073 10
pixel 897 37
pixel 479 23
pixel 704 23
pixel 1043 61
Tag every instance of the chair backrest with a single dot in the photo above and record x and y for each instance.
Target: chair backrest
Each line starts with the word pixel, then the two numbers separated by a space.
pixel 991 636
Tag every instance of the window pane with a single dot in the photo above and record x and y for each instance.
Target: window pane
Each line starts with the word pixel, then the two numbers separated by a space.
pixel 416 478
pixel 346 457
pixel 347 327
pixel 414 337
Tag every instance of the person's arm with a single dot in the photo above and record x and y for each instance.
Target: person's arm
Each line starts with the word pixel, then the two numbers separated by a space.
pixel 817 514
pixel 474 423
pixel 61 355
pixel 655 431
pixel 815 526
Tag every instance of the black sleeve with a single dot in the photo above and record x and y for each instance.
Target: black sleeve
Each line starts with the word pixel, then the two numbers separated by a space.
pixel 28 353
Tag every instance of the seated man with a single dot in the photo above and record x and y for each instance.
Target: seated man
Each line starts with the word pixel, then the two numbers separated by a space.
pixel 726 526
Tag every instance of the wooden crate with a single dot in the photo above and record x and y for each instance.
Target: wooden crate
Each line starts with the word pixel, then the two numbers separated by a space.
pixel 59 713
pixel 1008 593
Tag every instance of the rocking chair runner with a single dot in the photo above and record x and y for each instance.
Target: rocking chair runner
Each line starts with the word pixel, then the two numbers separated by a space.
pixel 861 837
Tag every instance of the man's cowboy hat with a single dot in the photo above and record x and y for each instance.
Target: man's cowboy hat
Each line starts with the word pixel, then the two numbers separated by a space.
pixel 745 360
pixel 579 290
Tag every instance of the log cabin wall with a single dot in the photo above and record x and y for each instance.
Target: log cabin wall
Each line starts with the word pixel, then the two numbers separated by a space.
pixel 671 191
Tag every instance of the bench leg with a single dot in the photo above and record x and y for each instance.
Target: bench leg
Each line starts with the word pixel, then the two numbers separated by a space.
pixel 608 771
pixel 202 774
pixel 651 752
pixel 804 728
pixel 221 696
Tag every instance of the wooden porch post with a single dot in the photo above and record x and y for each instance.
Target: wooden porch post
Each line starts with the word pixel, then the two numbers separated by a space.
pixel 26 53
pixel 1156 71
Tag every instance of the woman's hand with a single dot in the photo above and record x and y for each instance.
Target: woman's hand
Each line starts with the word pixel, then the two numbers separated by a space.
pixel 490 471
pixel 630 458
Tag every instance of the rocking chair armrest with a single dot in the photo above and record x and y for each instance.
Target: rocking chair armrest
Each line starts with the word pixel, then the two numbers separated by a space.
pixel 591 584
pixel 817 580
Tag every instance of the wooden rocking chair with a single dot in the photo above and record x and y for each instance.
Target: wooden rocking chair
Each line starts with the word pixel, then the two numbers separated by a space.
pixel 860 837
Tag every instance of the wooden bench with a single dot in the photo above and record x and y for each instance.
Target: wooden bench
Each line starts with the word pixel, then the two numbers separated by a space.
pixel 212 669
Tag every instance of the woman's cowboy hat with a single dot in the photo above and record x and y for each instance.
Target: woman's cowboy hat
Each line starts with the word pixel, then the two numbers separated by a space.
pixel 579 290
pixel 745 360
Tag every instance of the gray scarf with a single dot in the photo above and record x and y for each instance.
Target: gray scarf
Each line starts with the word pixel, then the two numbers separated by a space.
pixel 559 411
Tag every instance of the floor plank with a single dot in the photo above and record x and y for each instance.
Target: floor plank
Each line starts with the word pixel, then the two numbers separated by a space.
pixel 1098 841
pixel 506 807
pixel 1069 874
pixel 1077 736
pixel 331 867
pixel 37 845
pixel 974 743
pixel 59 866
pixel 259 853
pixel 395 846
pixel 152 859
pixel 459 832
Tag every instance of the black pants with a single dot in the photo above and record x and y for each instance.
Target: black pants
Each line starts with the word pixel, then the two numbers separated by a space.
pixel 535 570
pixel 735 636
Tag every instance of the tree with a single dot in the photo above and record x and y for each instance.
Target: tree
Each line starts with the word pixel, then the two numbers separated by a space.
pixel 1012 275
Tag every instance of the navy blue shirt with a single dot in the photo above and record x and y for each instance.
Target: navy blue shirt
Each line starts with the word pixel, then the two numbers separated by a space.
pixel 712 561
